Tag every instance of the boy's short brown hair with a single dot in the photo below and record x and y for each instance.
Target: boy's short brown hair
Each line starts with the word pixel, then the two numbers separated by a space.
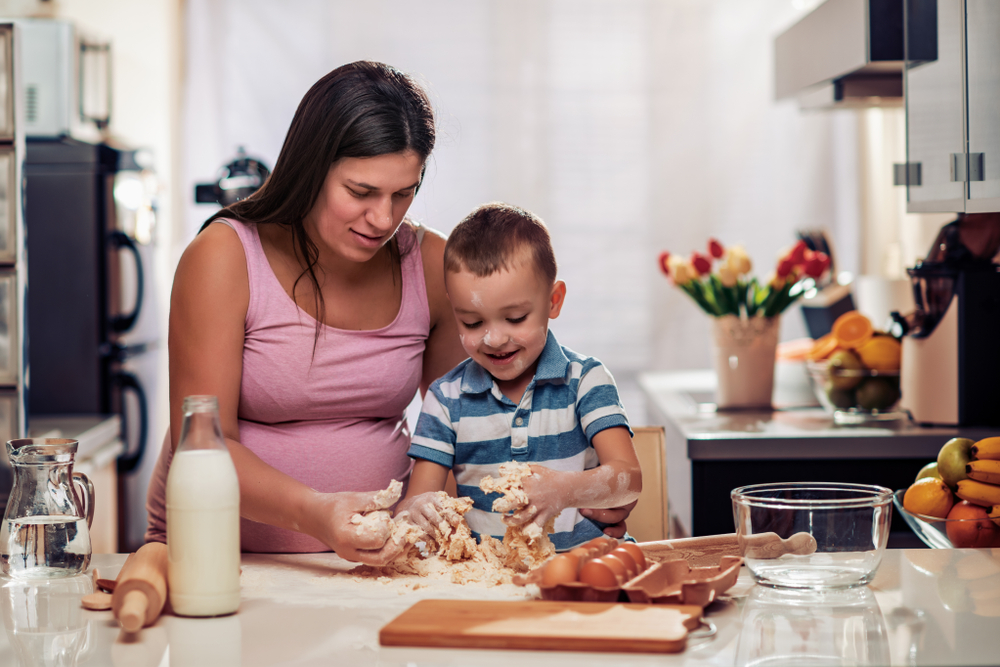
pixel 491 237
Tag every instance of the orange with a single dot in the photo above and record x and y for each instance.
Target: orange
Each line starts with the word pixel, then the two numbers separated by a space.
pixel 929 496
pixel 823 347
pixel 852 330
pixel 976 531
pixel 881 353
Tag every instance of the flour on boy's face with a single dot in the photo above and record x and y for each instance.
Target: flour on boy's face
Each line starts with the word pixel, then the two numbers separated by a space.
pixel 503 318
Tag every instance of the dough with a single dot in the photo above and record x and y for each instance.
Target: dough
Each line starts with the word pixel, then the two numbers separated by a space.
pixel 452 552
pixel 528 544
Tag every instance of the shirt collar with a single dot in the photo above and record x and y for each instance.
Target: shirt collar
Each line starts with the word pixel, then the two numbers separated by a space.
pixel 553 364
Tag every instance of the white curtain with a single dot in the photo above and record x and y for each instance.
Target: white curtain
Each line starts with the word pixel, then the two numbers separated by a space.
pixel 629 126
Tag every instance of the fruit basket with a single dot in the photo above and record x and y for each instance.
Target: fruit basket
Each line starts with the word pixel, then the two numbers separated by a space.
pixel 855 395
pixel 934 532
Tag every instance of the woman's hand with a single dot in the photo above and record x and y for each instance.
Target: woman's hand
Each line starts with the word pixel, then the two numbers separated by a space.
pixel 330 522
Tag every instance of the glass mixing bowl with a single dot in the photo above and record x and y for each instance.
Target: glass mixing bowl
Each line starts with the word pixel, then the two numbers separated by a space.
pixel 830 535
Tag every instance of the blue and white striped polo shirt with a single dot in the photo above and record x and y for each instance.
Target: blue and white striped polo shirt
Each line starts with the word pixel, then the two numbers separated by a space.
pixel 468 425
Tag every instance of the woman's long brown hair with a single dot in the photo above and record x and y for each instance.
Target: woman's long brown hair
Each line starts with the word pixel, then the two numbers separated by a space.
pixel 359 110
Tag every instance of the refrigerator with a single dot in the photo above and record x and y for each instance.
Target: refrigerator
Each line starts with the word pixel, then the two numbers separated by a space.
pixel 92 320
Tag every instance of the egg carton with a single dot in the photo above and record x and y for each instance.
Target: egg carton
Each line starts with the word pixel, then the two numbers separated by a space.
pixel 668 582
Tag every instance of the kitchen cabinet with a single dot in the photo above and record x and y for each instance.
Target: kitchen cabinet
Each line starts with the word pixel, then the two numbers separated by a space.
pixel 952 87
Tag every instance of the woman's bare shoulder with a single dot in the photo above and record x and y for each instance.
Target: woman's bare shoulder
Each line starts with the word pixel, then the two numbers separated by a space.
pixel 214 260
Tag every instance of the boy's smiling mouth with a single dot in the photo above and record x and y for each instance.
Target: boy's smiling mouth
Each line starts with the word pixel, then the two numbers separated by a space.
pixel 501 358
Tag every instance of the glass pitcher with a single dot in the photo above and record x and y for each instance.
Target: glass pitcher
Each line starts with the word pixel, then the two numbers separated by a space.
pixel 46 529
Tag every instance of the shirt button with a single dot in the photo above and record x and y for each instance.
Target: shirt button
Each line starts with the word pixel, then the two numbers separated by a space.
pixel 518 421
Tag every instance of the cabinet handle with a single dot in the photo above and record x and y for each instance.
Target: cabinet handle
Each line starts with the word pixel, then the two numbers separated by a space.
pixel 906 173
pixel 958 167
pixel 977 166
pixel 971 167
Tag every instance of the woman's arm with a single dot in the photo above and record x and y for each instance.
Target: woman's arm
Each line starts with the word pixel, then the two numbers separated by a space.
pixel 444 349
pixel 208 307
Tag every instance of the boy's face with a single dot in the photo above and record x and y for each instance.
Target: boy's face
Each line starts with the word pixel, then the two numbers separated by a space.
pixel 503 318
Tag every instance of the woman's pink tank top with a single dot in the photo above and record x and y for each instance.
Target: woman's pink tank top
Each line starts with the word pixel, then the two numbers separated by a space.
pixel 334 421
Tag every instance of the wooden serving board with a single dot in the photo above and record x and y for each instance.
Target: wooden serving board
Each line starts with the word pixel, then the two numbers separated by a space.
pixel 543 625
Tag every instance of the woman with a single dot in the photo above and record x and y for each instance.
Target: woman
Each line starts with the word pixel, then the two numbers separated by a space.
pixel 315 312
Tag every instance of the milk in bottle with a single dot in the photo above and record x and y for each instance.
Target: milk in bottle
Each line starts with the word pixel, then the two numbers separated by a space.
pixel 203 517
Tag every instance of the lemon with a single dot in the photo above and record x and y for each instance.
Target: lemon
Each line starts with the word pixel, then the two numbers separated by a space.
pixel 881 353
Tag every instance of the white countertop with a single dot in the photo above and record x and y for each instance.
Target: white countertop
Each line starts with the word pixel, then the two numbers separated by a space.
pixel 933 607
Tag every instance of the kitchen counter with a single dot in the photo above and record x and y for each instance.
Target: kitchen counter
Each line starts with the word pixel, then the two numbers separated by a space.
pixel 710 452
pixel 936 607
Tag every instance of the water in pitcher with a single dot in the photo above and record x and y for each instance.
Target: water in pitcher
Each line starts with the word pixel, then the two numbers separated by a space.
pixel 46 546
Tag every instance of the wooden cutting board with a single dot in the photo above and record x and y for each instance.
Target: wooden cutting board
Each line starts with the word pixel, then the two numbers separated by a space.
pixel 543 625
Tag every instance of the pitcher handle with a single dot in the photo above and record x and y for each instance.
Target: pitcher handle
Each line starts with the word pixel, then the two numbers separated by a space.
pixel 83 482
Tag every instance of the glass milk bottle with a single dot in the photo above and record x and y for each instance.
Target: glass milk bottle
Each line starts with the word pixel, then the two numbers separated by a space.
pixel 203 517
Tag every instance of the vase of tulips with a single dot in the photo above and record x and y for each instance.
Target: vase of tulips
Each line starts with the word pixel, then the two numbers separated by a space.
pixel 746 312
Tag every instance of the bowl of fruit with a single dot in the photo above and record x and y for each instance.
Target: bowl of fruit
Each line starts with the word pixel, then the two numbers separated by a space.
pixel 854 371
pixel 955 501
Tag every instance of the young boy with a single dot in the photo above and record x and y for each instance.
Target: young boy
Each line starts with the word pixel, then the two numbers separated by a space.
pixel 520 396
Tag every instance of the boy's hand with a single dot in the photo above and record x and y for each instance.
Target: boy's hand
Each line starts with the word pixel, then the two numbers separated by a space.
pixel 424 510
pixel 549 493
pixel 614 516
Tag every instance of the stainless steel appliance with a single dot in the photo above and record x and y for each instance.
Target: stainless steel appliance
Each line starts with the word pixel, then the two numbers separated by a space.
pixel 89 353
pixel 951 359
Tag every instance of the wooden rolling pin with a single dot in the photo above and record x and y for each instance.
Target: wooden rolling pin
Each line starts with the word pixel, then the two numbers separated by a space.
pixel 708 550
pixel 141 588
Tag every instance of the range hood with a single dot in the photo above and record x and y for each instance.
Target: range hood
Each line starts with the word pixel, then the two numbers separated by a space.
pixel 850 53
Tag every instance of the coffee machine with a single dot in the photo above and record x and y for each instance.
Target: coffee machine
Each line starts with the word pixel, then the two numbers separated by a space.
pixel 950 371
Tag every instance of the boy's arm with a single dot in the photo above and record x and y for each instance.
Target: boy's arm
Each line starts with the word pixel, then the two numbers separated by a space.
pixel 616 482
pixel 427 476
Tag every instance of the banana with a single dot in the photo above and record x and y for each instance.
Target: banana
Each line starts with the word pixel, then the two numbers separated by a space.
pixel 987 448
pixel 986 470
pixel 995 514
pixel 978 493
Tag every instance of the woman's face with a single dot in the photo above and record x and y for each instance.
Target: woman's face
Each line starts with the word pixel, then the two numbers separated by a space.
pixel 362 203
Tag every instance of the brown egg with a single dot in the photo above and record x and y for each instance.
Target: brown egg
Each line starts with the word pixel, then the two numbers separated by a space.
pixel 581 552
pixel 621 571
pixel 560 570
pixel 625 557
pixel 602 544
pixel 637 555
pixel 599 574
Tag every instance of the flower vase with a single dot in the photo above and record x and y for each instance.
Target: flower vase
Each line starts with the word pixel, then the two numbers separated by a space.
pixel 744 361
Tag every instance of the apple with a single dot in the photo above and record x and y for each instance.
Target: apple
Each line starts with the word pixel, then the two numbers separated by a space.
pixel 929 470
pixel 952 459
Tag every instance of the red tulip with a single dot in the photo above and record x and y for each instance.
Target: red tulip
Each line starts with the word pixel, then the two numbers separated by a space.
pixel 701 263
pixel 715 249
pixel 797 253
pixel 664 256
pixel 816 265
pixel 784 269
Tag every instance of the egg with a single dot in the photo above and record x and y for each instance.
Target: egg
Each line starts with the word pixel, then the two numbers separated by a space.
pixel 581 552
pixel 626 558
pixel 615 564
pixel 637 555
pixel 560 570
pixel 598 574
pixel 602 544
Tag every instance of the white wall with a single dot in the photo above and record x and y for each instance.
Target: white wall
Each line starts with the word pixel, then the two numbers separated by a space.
pixel 629 126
